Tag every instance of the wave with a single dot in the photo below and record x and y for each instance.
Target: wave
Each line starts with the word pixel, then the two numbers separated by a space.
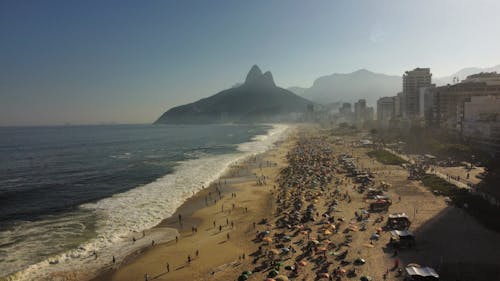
pixel 126 215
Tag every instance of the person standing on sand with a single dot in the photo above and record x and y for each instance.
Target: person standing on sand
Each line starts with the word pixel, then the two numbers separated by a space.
pixel 146 277
pixel 114 260
pixel 168 267
pixel 176 239
pixel 197 252
pixel 180 219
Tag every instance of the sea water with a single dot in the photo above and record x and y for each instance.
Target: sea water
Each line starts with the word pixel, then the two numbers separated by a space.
pixel 67 192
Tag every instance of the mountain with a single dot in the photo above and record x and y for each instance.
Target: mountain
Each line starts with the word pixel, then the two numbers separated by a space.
pixel 463 73
pixel 351 86
pixel 256 100
pixel 297 90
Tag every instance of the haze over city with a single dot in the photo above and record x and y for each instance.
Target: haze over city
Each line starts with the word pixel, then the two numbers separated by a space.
pixel 266 140
pixel 127 62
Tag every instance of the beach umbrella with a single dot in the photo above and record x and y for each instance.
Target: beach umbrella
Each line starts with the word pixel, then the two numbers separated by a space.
pixel 285 250
pixel 287 238
pixel 374 236
pixel 281 278
pixel 273 273
pixel 264 233
pixel 324 275
pixel 289 267
pixel 359 261
pixel 267 239
pixel 274 251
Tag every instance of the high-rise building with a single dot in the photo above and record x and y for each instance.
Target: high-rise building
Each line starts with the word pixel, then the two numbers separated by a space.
pixel 385 110
pixel 369 114
pixel 413 80
pixel 359 110
pixel 345 109
pixel 481 122
pixel 449 100
pixel 398 104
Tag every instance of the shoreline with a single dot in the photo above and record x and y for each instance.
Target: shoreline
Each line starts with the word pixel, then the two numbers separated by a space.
pixel 227 250
pixel 164 231
pixel 242 173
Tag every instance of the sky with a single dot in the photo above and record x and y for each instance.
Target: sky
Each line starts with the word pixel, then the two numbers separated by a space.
pixel 96 62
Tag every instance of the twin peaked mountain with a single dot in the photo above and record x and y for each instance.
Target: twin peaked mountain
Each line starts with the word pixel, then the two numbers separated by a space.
pixel 256 100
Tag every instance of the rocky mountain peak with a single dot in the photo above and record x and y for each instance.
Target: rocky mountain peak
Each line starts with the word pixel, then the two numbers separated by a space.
pixel 253 74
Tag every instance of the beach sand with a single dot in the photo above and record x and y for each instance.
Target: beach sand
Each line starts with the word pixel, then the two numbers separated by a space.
pixel 446 238
pixel 217 254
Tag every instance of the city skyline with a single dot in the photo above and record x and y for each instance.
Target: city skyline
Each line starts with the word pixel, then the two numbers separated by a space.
pixel 97 62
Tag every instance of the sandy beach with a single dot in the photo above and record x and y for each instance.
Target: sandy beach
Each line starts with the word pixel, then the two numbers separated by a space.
pixel 218 239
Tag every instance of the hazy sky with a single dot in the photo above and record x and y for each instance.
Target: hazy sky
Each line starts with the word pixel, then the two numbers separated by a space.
pixel 121 61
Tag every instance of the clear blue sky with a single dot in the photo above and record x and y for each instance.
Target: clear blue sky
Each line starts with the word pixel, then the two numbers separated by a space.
pixel 85 62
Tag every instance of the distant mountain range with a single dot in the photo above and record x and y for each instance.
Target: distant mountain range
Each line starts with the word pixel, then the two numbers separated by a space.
pixel 463 73
pixel 256 100
pixel 350 87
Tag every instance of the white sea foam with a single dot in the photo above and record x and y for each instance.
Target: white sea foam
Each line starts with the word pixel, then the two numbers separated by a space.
pixel 126 215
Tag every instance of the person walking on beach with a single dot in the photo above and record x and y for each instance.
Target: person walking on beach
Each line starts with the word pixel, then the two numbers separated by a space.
pixel 146 277
pixel 114 260
pixel 180 219
pixel 176 239
pixel 168 267
pixel 189 259
pixel 197 252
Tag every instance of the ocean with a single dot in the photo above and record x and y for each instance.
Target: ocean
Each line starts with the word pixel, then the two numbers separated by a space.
pixel 68 191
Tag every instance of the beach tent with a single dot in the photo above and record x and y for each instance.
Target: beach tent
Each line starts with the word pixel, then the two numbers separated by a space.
pixel 402 234
pixel 403 238
pixel 399 221
pixel 421 273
